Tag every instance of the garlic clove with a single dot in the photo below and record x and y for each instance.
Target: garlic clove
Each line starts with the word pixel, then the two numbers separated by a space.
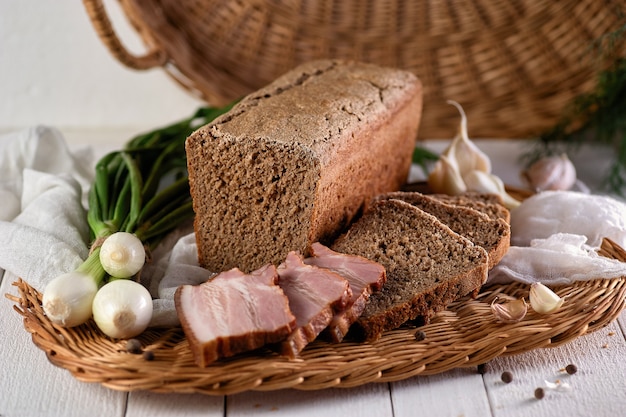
pixel 543 300
pixel 482 182
pixel 511 311
pixel 558 385
pixel 467 155
pixel 445 177
pixel 550 173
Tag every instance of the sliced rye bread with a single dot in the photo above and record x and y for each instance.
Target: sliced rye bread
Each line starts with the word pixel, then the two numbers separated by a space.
pixel 428 265
pixel 494 235
pixel 490 204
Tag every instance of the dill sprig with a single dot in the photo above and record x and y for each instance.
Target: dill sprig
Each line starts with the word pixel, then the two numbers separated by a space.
pixel 598 116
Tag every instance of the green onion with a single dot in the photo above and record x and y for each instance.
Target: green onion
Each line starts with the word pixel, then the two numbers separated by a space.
pixel 141 190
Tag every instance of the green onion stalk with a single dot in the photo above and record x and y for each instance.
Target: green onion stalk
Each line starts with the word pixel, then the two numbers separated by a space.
pixel 139 195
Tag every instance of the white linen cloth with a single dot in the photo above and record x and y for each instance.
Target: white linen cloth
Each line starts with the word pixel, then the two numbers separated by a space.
pixel 43 149
pixel 43 221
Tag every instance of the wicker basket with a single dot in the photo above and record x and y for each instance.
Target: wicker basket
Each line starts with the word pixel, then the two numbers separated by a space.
pixel 465 334
pixel 513 65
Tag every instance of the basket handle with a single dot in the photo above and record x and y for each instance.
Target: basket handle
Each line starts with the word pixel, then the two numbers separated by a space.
pixel 104 29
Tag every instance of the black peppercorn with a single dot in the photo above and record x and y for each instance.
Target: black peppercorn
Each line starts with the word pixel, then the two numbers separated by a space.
pixel 571 369
pixel 482 368
pixel 133 346
pixel 539 393
pixel 148 355
pixel 506 377
pixel 420 335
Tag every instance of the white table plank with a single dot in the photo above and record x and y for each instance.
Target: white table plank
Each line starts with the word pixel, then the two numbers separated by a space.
pixel 459 392
pixel 368 400
pixel 146 404
pixel 31 386
pixel 597 389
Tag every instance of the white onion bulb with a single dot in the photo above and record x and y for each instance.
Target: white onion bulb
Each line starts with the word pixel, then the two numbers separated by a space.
pixel 122 308
pixel 122 255
pixel 67 298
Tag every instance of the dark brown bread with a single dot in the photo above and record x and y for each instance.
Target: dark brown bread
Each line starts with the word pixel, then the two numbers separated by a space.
pixel 428 265
pixel 293 163
pixel 494 235
pixel 490 204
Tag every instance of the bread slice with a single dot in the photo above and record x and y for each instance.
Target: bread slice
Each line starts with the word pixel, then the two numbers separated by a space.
pixel 428 265
pixel 490 204
pixel 295 162
pixel 494 235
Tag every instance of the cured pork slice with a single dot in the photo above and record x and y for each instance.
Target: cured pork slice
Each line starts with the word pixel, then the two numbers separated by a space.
pixel 315 295
pixel 364 277
pixel 233 312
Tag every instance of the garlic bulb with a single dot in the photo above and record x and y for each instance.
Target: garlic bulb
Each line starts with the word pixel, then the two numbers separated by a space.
pixel 550 173
pixel 467 155
pixel 511 311
pixel 543 300
pixel 463 167
pixel 445 177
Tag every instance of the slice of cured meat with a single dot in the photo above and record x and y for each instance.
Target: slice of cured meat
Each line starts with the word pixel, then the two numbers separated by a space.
pixel 364 277
pixel 315 295
pixel 233 312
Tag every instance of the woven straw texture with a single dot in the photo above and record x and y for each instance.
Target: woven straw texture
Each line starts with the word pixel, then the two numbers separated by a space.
pixel 513 64
pixel 465 334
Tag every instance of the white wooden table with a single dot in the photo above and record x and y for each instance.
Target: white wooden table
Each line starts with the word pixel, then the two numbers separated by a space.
pixel 31 386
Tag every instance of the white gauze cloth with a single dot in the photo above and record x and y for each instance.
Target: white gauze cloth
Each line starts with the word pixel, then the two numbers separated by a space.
pixel 555 236
pixel 561 258
pixel 550 212
pixel 43 221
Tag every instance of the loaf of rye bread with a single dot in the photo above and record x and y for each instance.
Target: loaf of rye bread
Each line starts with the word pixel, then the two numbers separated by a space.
pixel 428 265
pixel 494 235
pixel 294 162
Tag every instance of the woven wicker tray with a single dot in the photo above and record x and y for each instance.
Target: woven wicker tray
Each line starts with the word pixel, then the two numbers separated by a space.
pixel 465 334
